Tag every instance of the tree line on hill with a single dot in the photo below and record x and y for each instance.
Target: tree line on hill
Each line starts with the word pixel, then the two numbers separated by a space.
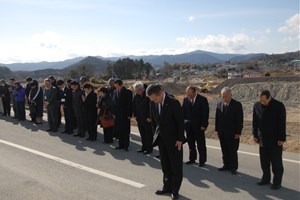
pixel 125 68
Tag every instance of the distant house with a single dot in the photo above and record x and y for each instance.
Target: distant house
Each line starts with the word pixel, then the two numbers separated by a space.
pixel 234 74
pixel 169 80
pixel 253 74
pixel 295 64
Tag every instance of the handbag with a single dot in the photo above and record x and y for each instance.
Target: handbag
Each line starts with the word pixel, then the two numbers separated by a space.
pixel 107 120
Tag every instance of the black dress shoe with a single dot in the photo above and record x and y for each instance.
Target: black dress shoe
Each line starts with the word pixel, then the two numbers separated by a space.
pixel 147 152
pixel 175 196
pixel 190 162
pixel 140 150
pixel 118 147
pixel 263 182
pixel 54 130
pixel 162 191
pixel 49 130
pixel 223 168
pixel 76 135
pixel 64 132
pixel 201 164
pixel 82 136
pixel 126 149
pixel 158 156
pixel 275 186
pixel 106 142
pixel 233 171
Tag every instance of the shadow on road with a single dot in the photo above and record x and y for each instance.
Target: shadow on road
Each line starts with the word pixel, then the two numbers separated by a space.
pixel 235 183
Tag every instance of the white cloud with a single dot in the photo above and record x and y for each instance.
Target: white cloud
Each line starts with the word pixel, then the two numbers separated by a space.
pixel 191 19
pixel 292 28
pixel 46 46
pixel 267 31
pixel 291 25
pixel 218 43
pixel 47 39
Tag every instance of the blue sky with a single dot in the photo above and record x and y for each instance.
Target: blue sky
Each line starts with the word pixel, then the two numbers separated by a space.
pixel 53 30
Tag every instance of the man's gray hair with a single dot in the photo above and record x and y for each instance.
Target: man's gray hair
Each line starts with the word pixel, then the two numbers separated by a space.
pixel 191 87
pixel 155 89
pixel 111 80
pixel 227 90
pixel 138 85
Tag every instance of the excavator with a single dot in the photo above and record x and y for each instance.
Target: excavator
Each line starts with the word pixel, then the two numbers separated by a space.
pixel 206 88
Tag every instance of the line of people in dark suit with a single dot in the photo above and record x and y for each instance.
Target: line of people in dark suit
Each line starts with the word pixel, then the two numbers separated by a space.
pixel 161 121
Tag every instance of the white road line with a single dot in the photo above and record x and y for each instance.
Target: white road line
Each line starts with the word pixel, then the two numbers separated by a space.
pixel 243 152
pixel 254 154
pixel 75 165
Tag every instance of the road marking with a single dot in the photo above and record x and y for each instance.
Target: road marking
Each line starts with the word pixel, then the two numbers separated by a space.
pixel 254 154
pixel 242 152
pixel 76 165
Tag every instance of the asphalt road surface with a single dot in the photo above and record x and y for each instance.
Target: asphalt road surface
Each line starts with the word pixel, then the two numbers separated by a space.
pixel 37 165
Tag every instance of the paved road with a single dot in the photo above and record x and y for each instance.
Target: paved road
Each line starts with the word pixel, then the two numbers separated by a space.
pixel 37 165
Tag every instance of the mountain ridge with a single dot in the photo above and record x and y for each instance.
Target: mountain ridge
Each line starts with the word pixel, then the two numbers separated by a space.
pixel 194 57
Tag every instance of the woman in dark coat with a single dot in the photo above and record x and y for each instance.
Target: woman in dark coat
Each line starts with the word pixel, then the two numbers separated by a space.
pixel 105 106
pixel 36 102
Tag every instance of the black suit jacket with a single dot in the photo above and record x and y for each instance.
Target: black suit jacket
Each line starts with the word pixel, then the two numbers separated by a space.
pixel 269 123
pixel 90 106
pixel 66 97
pixel 122 103
pixel 51 97
pixel 229 121
pixel 170 122
pixel 4 92
pixel 77 101
pixel 197 114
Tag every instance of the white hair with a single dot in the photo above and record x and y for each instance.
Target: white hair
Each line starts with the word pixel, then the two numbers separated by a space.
pixel 139 85
pixel 226 90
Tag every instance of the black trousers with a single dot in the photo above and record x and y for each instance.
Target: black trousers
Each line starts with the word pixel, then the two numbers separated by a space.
pixel 52 117
pixel 80 125
pixel 198 138
pixel 108 134
pixel 229 147
pixel 58 115
pixel 20 109
pixel 123 131
pixel 6 106
pixel 171 163
pixel 68 112
pixel 145 130
pixel 92 128
pixel 271 156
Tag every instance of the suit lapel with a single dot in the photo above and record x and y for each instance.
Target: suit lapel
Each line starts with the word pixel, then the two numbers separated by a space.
pixel 164 108
pixel 222 106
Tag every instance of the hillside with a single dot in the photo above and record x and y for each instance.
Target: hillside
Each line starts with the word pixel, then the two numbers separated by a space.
pixel 42 65
pixel 96 63
pixel 274 59
pixel 4 72
pixel 195 57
